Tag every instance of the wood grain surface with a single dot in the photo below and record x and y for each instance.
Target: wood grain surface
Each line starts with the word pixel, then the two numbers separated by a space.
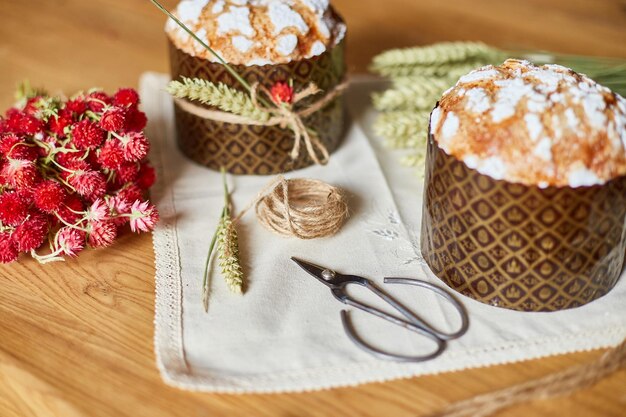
pixel 76 338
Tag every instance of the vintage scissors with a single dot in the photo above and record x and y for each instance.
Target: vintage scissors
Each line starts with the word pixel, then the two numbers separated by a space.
pixel 338 282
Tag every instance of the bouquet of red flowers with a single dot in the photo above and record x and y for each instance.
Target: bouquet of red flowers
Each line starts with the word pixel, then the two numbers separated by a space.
pixel 72 172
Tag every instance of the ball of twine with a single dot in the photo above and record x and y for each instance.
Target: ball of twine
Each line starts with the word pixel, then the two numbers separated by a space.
pixel 301 207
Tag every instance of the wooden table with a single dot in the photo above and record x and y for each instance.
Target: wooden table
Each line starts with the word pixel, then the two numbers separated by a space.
pixel 76 338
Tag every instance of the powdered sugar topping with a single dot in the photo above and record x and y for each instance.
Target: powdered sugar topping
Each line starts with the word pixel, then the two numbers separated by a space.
pixel 544 125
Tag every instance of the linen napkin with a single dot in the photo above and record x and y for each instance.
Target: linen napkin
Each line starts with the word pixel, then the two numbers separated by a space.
pixel 285 334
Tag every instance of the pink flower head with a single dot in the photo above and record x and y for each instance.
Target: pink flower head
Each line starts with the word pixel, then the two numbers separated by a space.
pixel 8 248
pixel 118 206
pixel 13 208
pixel 97 101
pixel 136 120
pixel 89 184
pixel 87 135
pixel 111 154
pixel 101 234
pixel 282 93
pixel 146 176
pixel 143 216
pixel 70 241
pixel 136 147
pixel 31 233
pixel 20 173
pixel 98 211
pixel 48 196
pixel 113 119
pixel 126 97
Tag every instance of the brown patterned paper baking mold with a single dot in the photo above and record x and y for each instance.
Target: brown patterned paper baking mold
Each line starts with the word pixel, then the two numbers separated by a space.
pixel 521 247
pixel 260 150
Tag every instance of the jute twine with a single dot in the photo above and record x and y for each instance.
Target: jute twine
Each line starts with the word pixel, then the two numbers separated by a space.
pixel 560 383
pixel 299 207
pixel 281 115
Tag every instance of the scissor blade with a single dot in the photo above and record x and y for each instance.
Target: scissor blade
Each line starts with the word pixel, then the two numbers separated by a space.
pixel 312 269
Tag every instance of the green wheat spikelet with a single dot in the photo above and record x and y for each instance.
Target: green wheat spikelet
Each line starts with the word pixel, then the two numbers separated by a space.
pixel 219 95
pixel 417 95
pixel 228 254
pixel 436 55
pixel 403 129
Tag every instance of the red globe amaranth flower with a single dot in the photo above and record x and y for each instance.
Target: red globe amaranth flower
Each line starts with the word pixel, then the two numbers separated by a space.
pixel 13 208
pixel 127 172
pixel 87 135
pixel 84 166
pixel 8 248
pixel 131 193
pixel 136 148
pixel 111 154
pixel 136 120
pixel 282 93
pixel 127 97
pixel 69 241
pixel 31 233
pixel 57 124
pixel 114 119
pixel 76 107
pixel 23 124
pixel 71 211
pixel 48 196
pixel 89 184
pixel 101 234
pixel 18 173
pixel 97 101
pixel 146 176
pixel 30 107
pixel 143 216
pixel 15 147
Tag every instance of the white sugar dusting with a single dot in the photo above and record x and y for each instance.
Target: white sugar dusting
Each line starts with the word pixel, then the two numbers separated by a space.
pixel 544 149
pixel 242 43
pixel 594 106
pixel 259 61
pixel 237 19
pixel 317 48
pixel 190 10
pixel 435 117
pixel 571 119
pixel 534 126
pixel 493 167
pixel 479 74
pixel 286 44
pixel 510 93
pixel 450 126
pixel 477 100
pixel 581 176
pixel 318 6
pixel 282 16
pixel 218 7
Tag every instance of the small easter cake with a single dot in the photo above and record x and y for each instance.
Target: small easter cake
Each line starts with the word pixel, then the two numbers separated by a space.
pixel 266 42
pixel 525 193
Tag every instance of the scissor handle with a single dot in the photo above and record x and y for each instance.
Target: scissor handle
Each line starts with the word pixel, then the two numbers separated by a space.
pixel 412 322
pixel 349 330
pixel 443 294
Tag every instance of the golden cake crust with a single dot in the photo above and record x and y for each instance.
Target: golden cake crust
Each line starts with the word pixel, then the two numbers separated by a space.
pixel 535 125
pixel 257 32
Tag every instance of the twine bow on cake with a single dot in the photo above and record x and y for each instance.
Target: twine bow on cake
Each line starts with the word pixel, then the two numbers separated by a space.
pixel 239 108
